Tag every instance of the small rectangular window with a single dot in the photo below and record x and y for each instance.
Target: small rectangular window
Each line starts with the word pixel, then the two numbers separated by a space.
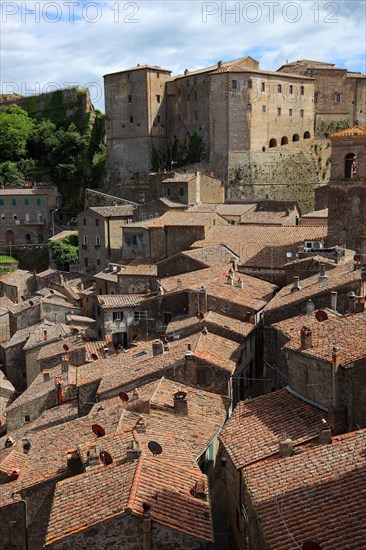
pixel 338 98
pixel 158 98
pixel 168 192
pixel 279 88
pixel 85 239
pixel 195 95
pixel 187 97
pixel 302 90
pixel 1 202
pixel 302 113
pixel 27 418
pixel 290 89
pixel 181 191
pixel 13 202
pixel 117 315
pixel 279 111
pixel 26 202
pixel 84 221
pixel 290 112
pixel 98 263
pixel 97 221
pixel 131 119
pixel 187 83
pixel 15 216
pixel 86 262
pixel 157 75
pixel 38 202
pixel 129 76
pixel 264 109
pixel 250 107
pixel 234 84
pixel 130 99
pixel 316 97
pixel 158 118
pixel 250 84
pixel 263 87
pixel 134 240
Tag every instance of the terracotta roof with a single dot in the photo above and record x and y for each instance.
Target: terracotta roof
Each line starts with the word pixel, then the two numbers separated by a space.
pixel 347 332
pixel 211 255
pixel 233 325
pixel 177 177
pixel 93 349
pixel 106 276
pixel 355 131
pixel 113 211
pixel 54 331
pixel 62 235
pixel 5 302
pixel 17 277
pixel 11 460
pixel 107 301
pixel 57 348
pixel 291 327
pixel 179 219
pixel 27 304
pixel 139 266
pixel 254 294
pixel 253 431
pixel 317 495
pixel 50 293
pixel 340 276
pixel 180 324
pixel 316 214
pixel 249 241
pixel 218 351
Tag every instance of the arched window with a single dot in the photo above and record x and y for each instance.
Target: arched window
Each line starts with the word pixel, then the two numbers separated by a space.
pixel 306 135
pixel 273 142
pixel 28 238
pixel 284 140
pixel 350 166
pixel 9 237
pixel 296 137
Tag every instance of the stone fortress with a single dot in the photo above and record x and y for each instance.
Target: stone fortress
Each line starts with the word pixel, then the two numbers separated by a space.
pixel 262 132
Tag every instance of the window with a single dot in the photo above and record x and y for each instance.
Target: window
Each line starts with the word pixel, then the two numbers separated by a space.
pixel 284 140
pixel 26 202
pixel 195 80
pixel 316 97
pixel 158 98
pixel 234 84
pixel 187 97
pixel 1 202
pixel 129 76
pixel 337 98
pixel 250 84
pixel 139 315
pixel 97 241
pixel 290 112
pixel 263 87
pixel 98 263
pixel 117 315
pixel 86 262
pixel 302 90
pixel 38 202
pixel 290 89
pixel 13 202
pixel 15 217
pixel 195 115
pixel 302 113
pixel 84 221
pixel 187 82
pixel 27 418
pixel 157 75
pixel 96 221
pixel 195 95
pixel 279 88
pixel 306 135
pixel 181 191
pixel 179 117
pixel 264 109
pixel 131 119
pixel 130 99
pixel 85 239
pixel 273 143
pixel 168 192
pixel 278 111
pixel 2 216
pixel 134 240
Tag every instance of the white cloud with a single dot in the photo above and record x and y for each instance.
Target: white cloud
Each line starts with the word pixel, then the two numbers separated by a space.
pixel 170 33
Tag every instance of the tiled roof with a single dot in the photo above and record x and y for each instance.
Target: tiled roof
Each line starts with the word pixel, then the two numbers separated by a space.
pixel 96 348
pixel 50 293
pixel 338 277
pixel 347 332
pixel 180 324
pixel 106 276
pixel 113 211
pixel 218 351
pixel 355 131
pixel 210 255
pixel 318 495
pixel 107 301
pixel 291 327
pixel 6 303
pixel 27 304
pixel 254 294
pixel 316 214
pixel 248 241
pixel 178 219
pixel 11 460
pixel 139 266
pixel 54 330
pixel 233 325
pixel 14 191
pixel 256 426
pixel 62 346
pixel 262 217
pixel 62 235
pixel 177 177
pixel 17 277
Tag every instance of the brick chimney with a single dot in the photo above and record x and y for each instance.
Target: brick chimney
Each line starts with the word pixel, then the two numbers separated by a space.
pixel 65 363
pixel 140 426
pixel 106 353
pixel 58 386
pixel 325 433
pixel 322 274
pixel 306 336
pixel 286 447
pixel 296 286
pixel 351 301
pixel 202 297
pixel 157 348
pixel 181 403
pixel 200 490
pixel 133 450
pixel 46 375
pixel 135 394
pixel 45 336
pixel 333 300
pixel 73 462
pixel 27 443
pixel 359 306
pixel 93 457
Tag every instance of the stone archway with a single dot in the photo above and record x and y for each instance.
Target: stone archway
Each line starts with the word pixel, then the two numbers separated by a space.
pixel 9 237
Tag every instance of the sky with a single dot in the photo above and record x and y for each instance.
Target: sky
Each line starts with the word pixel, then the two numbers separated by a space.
pixel 47 45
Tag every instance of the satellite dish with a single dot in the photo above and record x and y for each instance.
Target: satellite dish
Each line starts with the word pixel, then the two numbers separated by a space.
pixel 309 545
pixel 155 448
pixel 98 430
pixel 357 257
pixel 123 396
pixel 105 457
pixel 321 316
pixel 66 347
pixel 200 315
pixel 94 356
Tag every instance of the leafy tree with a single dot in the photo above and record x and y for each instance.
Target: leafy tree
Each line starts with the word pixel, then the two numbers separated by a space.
pixel 15 129
pixel 65 252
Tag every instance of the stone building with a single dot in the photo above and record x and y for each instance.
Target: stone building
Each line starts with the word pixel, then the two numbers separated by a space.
pixel 192 189
pixel 99 229
pixel 114 315
pixel 17 285
pixel 26 214
pixel 339 94
pixel 347 189
pixel 233 117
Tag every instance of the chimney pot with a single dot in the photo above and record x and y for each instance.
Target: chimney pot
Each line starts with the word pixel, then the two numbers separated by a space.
pixel 306 336
pixel 133 450
pixel 135 394
pixel 181 403
pixel 240 283
pixel 325 433
pixel 199 490
pixel 335 358
pixel 286 448
pixel 140 425
pixel 322 274
pixel 333 300
pixel 46 375
pixel 93 457
pixel 296 286
pixel 27 443
pixel 106 353
pixel 157 348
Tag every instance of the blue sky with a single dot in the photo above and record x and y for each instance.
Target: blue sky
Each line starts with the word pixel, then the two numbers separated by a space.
pixel 53 44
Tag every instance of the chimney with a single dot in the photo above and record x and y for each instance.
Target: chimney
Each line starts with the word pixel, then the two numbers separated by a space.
pixel 296 286
pixel 62 279
pixel 46 375
pixel 45 335
pixel 333 300
pixel 199 490
pixel 65 364
pixel 359 304
pixel 58 386
pixel 14 475
pixel 9 442
pixel 306 336
pixel 133 450
pixel 240 283
pixel 285 447
pixel 157 348
pixel 338 420
pixel 234 265
pixel 27 443
pixel 106 353
pixel 93 457
pixel 146 526
pixel 179 284
pixel 135 394
pixel 230 279
pixel 325 433
pixel 335 380
pixel 322 274
pixel 81 286
pixel 181 403
pixel 140 426
pixel 202 296
pixel 310 308
pixel 351 301
pixel 73 462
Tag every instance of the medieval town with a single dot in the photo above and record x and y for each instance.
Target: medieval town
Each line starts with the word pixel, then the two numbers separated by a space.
pixel 182 344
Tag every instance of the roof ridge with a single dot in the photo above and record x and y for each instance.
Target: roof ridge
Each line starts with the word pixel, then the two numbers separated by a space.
pixel 135 483
pixel 156 389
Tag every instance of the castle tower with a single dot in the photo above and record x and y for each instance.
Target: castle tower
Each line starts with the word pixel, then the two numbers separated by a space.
pixel 135 106
pixel 347 188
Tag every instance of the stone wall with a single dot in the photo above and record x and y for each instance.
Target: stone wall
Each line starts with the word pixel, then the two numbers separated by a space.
pixel 346 215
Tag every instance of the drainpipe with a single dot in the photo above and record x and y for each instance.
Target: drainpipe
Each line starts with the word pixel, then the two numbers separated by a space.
pixel 17 498
pixel 109 238
pixel 147 526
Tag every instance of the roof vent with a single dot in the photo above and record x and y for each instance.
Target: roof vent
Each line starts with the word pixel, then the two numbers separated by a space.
pixel 106 353
pixel 199 490
pixel 135 394
pixel 310 308
pixel 46 375
pixel 181 403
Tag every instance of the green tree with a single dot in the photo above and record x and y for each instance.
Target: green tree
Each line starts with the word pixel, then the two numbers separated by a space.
pixel 15 129
pixel 65 252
